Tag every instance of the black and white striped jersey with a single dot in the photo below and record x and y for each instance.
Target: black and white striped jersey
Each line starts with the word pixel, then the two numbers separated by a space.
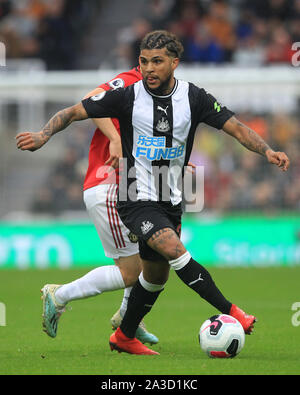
pixel 157 134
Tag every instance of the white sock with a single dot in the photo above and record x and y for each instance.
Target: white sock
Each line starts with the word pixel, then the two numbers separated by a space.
pixel 124 304
pixel 101 279
pixel 149 286
pixel 180 262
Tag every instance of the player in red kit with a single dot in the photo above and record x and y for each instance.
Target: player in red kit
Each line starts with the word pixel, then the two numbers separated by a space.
pixel 100 196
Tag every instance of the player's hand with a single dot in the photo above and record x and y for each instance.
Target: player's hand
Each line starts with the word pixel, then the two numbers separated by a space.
pixel 278 158
pixel 28 141
pixel 191 168
pixel 115 153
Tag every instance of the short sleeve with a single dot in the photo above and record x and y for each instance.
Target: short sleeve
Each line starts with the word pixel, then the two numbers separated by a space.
pixel 107 104
pixel 122 80
pixel 210 111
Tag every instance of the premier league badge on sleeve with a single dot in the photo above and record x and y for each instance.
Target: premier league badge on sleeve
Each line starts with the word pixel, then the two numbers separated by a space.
pixel 99 96
pixel 117 83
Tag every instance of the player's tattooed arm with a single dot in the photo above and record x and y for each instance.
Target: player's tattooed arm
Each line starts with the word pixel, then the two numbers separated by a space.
pixel 254 142
pixel 246 136
pixel 32 141
pixel 64 118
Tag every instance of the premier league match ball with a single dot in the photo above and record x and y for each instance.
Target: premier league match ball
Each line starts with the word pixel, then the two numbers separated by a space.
pixel 221 336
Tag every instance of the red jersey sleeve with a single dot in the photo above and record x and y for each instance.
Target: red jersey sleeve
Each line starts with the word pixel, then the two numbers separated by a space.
pixel 99 148
pixel 123 80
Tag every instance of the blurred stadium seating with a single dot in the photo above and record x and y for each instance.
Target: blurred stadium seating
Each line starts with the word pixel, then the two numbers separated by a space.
pixel 58 50
pixel 238 50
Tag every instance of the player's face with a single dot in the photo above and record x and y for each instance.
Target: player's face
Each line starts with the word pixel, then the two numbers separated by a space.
pixel 157 68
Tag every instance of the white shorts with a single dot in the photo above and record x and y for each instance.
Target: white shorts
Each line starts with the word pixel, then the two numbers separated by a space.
pixel 117 240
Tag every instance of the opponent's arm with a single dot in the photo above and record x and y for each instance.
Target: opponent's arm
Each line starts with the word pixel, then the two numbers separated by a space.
pixel 108 129
pixel 251 140
pixel 32 141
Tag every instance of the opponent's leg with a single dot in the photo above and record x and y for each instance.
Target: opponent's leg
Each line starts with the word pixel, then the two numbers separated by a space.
pixel 99 280
pixel 118 244
pixel 130 267
pixel 55 297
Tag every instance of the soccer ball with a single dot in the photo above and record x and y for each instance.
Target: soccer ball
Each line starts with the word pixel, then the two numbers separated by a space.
pixel 221 336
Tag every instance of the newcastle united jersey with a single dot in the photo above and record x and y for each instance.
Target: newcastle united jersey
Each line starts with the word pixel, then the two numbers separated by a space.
pixel 157 134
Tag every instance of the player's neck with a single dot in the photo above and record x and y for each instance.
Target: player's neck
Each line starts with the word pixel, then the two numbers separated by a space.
pixel 165 88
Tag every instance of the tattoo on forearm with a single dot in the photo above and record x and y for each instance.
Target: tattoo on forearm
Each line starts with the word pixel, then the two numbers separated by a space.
pixel 254 142
pixel 249 138
pixel 38 139
pixel 58 122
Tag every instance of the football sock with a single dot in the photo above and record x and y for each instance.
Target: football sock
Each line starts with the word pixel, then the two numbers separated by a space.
pixel 124 303
pixel 198 278
pixel 101 279
pixel 142 297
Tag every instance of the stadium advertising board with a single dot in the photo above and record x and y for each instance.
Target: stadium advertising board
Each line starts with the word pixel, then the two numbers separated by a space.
pixel 232 241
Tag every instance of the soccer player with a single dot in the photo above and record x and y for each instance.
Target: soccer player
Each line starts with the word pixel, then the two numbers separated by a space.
pixel 100 196
pixel 158 117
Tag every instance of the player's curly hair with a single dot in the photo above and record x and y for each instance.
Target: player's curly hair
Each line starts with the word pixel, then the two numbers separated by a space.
pixel 158 39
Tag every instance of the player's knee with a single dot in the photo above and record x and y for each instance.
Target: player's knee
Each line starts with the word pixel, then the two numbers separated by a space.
pixel 173 250
pixel 130 268
pixel 167 243
pixel 130 274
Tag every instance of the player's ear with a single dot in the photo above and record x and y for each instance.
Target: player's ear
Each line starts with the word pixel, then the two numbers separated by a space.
pixel 175 63
pixel 140 61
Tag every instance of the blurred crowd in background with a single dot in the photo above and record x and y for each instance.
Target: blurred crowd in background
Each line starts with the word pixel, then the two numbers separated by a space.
pixel 50 30
pixel 251 32
pixel 239 32
pixel 248 32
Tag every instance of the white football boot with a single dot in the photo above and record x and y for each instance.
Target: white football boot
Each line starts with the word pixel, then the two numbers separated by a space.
pixel 51 309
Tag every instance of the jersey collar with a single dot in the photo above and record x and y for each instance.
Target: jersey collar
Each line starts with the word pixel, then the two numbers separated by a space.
pixel 162 96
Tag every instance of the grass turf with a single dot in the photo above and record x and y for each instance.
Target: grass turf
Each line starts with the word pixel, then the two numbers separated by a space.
pixel 81 346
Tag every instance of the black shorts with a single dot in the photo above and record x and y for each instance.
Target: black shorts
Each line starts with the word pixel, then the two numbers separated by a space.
pixel 144 218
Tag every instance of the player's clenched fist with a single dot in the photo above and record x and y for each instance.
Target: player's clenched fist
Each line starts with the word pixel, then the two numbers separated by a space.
pixel 278 158
pixel 28 141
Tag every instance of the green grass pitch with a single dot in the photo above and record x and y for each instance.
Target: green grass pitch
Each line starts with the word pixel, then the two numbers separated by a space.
pixel 81 346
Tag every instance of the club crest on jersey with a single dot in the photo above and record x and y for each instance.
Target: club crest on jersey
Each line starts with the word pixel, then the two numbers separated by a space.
pixel 146 227
pixel 163 125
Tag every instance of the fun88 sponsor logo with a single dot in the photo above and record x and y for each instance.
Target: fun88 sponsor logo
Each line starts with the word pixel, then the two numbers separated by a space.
pixel 154 148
